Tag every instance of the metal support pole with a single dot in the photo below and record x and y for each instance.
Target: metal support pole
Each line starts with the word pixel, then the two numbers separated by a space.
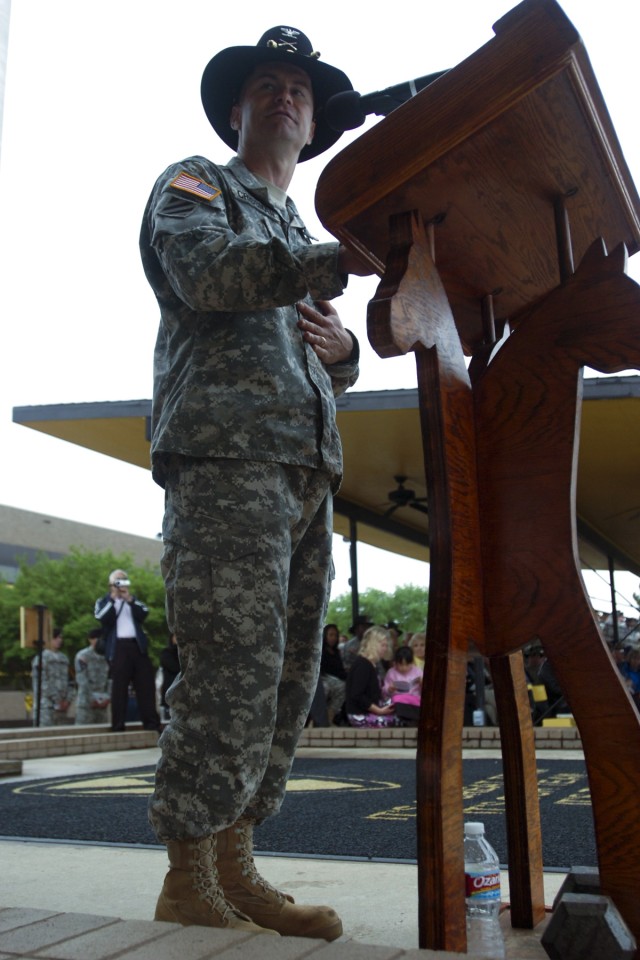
pixel 41 609
pixel 614 608
pixel 353 580
pixel 563 236
pixel 488 319
pixel 478 666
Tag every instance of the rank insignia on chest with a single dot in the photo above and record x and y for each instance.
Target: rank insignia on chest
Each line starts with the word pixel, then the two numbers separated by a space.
pixel 184 181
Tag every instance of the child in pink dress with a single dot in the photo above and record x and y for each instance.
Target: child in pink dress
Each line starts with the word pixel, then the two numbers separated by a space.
pixel 403 681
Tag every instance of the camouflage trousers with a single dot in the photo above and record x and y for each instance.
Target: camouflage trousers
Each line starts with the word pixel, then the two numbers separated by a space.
pixel 85 713
pixel 49 716
pixel 247 567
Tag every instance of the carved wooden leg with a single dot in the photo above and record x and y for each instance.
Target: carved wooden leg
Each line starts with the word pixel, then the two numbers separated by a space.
pixel 441 897
pixel 454 619
pixel 524 842
pixel 609 727
pixel 411 312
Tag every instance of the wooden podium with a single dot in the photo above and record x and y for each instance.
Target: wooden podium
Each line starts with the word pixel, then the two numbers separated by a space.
pixel 475 201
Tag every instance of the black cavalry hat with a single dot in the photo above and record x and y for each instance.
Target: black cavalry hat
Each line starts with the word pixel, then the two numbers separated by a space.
pixel 225 73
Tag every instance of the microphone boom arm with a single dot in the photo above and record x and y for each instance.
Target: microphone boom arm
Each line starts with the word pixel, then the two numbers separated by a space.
pixel 348 109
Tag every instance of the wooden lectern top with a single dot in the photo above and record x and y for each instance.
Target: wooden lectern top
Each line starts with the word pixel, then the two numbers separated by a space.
pixel 485 152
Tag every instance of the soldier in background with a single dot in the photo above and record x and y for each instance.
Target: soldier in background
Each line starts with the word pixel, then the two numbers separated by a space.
pixel 92 678
pixel 56 692
pixel 351 648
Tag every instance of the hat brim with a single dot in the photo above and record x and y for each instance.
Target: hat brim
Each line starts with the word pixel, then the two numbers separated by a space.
pixel 369 623
pixel 225 73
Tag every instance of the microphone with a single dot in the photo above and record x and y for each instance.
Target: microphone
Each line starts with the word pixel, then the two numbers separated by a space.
pixel 348 109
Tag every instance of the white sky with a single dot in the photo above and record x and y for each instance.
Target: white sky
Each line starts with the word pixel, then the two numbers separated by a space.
pixel 99 100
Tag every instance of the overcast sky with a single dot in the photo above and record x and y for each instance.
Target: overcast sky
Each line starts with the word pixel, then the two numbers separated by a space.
pixel 99 99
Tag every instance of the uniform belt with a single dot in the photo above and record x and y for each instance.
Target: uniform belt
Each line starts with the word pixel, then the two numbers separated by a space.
pixel 127 638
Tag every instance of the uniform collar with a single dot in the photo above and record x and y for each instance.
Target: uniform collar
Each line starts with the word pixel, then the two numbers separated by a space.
pixel 257 187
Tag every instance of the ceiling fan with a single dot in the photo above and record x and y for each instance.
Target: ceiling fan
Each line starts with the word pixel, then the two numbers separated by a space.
pixel 402 497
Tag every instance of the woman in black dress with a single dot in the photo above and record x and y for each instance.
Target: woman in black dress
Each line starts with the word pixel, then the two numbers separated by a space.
pixel 363 701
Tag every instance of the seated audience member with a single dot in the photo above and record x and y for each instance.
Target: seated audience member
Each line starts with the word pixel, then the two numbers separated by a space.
pixel 332 671
pixel 479 692
pixel 615 628
pixel 386 660
pixel 630 670
pixel 403 678
pixel 352 646
pixel 619 654
pixel 633 631
pixel 403 684
pixel 417 644
pixel 533 659
pixel 555 696
pixel 490 708
pixel 395 633
pixel 363 698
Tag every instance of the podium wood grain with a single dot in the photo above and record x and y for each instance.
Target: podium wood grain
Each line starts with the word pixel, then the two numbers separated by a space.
pixel 473 201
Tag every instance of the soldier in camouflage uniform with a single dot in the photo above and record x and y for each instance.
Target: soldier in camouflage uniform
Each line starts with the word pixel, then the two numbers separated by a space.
pixel 56 693
pixel 249 358
pixel 92 680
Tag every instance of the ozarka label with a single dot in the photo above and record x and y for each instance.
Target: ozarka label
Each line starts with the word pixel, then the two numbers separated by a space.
pixel 483 886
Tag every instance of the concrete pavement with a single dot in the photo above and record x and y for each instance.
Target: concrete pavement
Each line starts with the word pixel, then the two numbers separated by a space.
pixel 377 901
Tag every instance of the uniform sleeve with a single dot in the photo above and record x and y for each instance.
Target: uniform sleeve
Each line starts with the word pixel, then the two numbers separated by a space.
pixel 344 375
pixel 139 610
pixel 67 690
pixel 213 265
pixel 82 675
pixel 104 611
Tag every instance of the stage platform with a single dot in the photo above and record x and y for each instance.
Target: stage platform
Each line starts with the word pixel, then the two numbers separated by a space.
pixel 67 901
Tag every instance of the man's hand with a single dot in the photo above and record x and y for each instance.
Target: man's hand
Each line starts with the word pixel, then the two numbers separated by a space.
pixel 348 262
pixel 322 328
pixel 119 593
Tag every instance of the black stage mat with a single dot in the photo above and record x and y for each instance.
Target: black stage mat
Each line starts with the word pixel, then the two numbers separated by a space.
pixel 333 807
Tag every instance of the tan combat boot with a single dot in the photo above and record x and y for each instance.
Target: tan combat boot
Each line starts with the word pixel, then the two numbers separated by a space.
pixel 248 891
pixel 191 893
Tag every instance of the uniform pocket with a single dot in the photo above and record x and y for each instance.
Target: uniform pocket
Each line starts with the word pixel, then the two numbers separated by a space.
pixel 211 598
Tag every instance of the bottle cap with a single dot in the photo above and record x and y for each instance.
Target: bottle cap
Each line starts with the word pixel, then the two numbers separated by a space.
pixel 473 829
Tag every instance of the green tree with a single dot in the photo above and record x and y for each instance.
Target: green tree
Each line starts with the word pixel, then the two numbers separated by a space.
pixel 69 587
pixel 407 605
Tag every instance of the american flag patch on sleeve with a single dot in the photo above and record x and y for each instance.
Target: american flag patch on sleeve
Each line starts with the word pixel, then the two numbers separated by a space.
pixel 184 181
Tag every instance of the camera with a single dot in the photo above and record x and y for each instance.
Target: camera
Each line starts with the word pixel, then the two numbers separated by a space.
pixel 122 583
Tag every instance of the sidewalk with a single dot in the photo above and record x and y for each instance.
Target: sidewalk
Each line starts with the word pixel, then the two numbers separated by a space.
pixel 377 901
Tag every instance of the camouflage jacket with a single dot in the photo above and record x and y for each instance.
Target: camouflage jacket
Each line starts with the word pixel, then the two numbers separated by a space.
pixel 55 676
pixel 233 377
pixel 92 675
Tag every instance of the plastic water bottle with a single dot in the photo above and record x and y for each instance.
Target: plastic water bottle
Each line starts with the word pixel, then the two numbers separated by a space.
pixel 482 886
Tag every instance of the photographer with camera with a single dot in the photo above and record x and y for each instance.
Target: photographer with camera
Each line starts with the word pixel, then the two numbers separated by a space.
pixel 126 649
